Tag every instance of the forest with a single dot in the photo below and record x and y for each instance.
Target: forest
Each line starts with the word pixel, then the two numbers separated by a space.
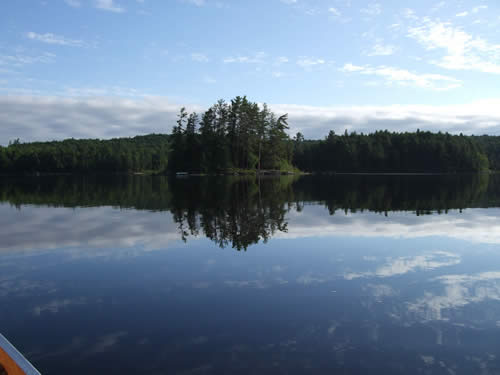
pixel 244 136
pixel 141 153
pixel 383 151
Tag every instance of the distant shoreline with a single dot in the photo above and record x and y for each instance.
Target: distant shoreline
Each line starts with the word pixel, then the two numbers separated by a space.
pixel 242 174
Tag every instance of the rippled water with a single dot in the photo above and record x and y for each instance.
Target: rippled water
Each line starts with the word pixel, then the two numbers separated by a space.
pixel 340 274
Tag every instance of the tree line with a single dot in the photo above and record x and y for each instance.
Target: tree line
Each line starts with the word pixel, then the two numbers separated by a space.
pixel 384 151
pixel 242 135
pixel 490 144
pixel 140 153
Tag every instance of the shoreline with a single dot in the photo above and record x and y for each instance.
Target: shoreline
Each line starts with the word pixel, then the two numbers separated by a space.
pixel 242 174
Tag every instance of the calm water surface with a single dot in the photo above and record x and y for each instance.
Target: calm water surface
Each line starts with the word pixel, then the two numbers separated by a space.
pixel 311 275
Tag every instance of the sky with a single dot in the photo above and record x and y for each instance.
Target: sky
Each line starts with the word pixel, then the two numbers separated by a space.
pixel 113 68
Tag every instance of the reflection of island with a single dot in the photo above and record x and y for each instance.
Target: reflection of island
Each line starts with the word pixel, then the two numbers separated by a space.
pixel 422 194
pixel 239 212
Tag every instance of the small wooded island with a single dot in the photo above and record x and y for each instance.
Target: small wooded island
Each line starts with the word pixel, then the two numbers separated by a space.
pixel 243 136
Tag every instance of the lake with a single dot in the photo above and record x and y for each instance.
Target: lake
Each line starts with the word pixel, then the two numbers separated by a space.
pixel 344 274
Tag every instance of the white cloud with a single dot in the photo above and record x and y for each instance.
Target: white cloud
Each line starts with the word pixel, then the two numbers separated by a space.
pixel 109 5
pixel 403 77
pixel 50 38
pixel 352 68
pixel 113 91
pixel 281 60
pixel 462 14
pixel 73 3
pixel 462 50
pixel 17 60
pixel 372 10
pixel 289 1
pixel 45 118
pixel 438 6
pixel 468 118
pixel 37 118
pixel 209 80
pixel 198 3
pixel 478 8
pixel 380 49
pixel 199 57
pixel 409 14
pixel 258 58
pixel 308 62
pixel 334 11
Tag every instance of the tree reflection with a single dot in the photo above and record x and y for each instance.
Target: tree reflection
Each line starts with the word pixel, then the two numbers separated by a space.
pixel 242 211
pixel 237 212
pixel 421 194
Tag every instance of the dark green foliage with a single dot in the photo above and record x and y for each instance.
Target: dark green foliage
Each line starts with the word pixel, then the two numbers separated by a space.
pixel 4 160
pixel 383 151
pixel 140 153
pixel 491 147
pixel 239 135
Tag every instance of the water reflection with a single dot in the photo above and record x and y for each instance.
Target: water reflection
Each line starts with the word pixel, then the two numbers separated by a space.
pixel 98 229
pixel 459 291
pixel 402 265
pixel 344 274
pixel 349 193
pixel 236 212
pixel 240 212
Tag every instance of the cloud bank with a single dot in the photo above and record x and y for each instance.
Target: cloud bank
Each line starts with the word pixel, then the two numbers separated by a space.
pixel 55 118
pixel 50 38
pixel 38 118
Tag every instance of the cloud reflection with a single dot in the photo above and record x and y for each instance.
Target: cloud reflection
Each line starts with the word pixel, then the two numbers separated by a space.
pixel 402 265
pixel 43 228
pixel 56 305
pixel 459 291
pixel 100 228
pixel 473 224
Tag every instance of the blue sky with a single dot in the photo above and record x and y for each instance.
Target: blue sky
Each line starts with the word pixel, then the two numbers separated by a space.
pixel 105 68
